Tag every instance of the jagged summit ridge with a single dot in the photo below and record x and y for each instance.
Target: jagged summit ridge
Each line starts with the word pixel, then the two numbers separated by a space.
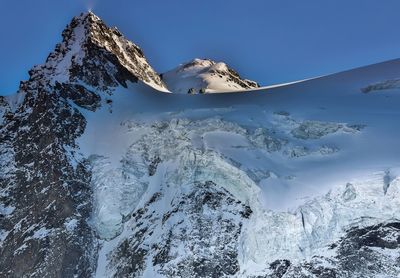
pixel 100 56
pixel 205 76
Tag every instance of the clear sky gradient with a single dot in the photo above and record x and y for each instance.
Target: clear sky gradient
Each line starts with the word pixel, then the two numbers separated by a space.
pixel 267 41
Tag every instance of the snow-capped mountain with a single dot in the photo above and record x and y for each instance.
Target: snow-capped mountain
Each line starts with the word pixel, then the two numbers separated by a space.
pixel 97 55
pixel 205 76
pixel 103 174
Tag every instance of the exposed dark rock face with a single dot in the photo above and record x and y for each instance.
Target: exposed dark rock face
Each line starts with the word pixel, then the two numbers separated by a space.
pixel 371 251
pixel 382 86
pixel 201 230
pixel 47 232
pixel 79 95
pixel 235 77
pixel 153 165
pixel 279 268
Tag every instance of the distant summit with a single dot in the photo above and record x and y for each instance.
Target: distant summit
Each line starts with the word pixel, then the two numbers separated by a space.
pixel 205 76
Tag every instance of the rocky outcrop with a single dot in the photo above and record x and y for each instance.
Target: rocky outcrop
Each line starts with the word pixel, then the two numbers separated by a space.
pixel 370 251
pixel 382 86
pixel 45 234
pixel 200 231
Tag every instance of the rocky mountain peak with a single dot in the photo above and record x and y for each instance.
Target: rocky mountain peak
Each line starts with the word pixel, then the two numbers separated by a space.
pixel 100 56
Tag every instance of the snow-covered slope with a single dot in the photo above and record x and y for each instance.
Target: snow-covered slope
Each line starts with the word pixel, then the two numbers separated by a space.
pixel 105 176
pixel 299 156
pixel 205 76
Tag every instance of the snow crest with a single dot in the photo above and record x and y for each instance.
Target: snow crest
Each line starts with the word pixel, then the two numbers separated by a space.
pixel 205 76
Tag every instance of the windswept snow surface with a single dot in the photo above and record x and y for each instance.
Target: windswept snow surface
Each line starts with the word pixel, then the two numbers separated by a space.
pixel 279 149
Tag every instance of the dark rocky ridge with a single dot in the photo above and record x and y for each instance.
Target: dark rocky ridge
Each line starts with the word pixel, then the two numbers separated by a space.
pixel 200 232
pixel 97 55
pixel 359 253
pixel 46 190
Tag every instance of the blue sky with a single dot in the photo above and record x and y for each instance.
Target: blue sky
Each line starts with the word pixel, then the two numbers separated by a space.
pixel 267 41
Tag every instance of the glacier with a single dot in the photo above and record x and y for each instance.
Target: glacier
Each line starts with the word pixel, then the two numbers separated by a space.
pixel 295 214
